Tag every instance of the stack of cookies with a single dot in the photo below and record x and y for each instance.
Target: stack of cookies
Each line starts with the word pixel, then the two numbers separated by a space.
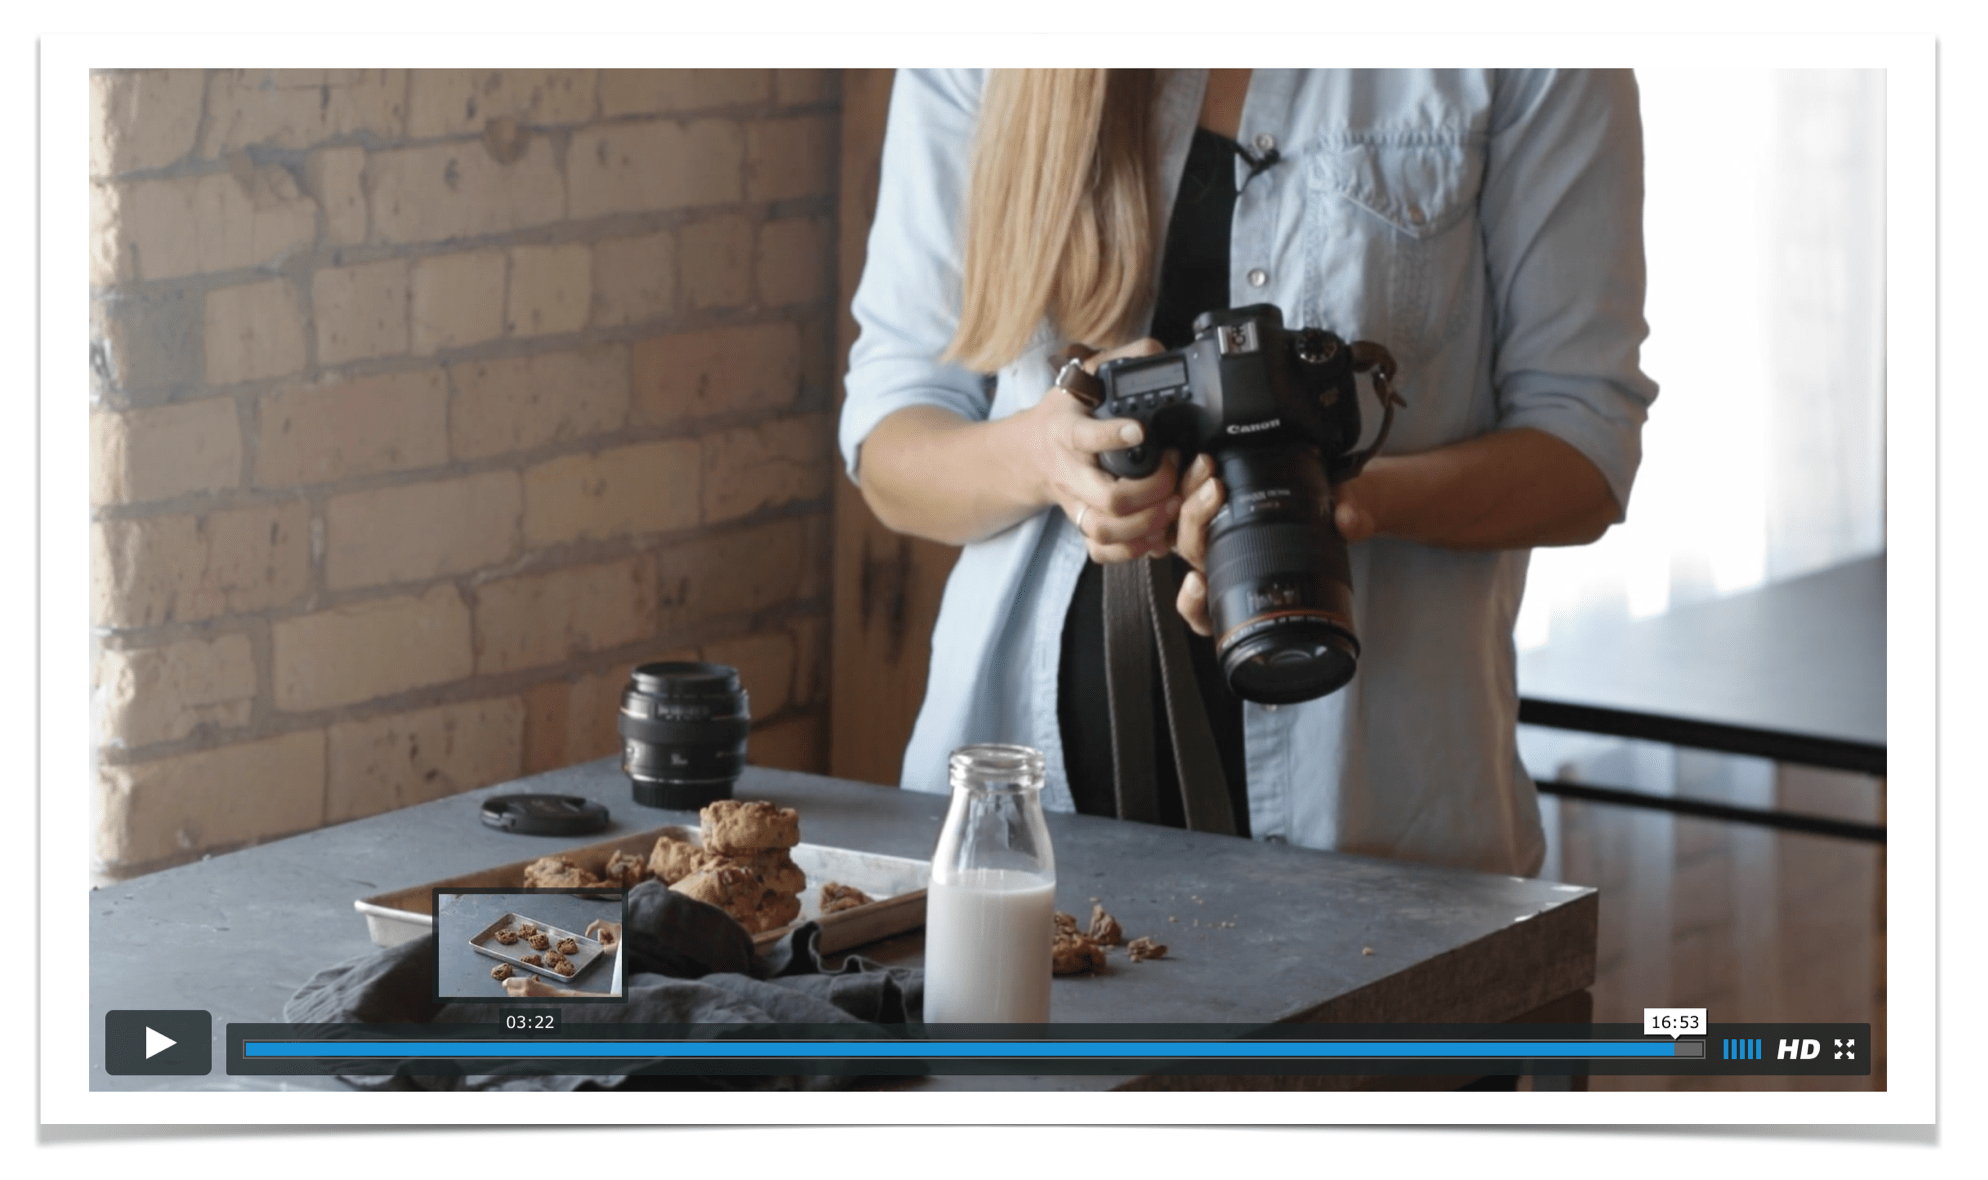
pixel 743 867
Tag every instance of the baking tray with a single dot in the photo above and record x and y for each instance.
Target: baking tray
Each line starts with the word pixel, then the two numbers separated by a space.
pixel 485 943
pixel 896 883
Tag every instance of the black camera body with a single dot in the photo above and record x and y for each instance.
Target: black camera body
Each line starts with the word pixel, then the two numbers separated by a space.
pixel 1279 412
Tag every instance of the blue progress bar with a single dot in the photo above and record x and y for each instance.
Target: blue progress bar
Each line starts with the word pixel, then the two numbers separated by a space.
pixel 965 1049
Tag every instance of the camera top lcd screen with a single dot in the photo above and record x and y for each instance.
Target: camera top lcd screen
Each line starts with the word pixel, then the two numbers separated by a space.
pixel 1165 375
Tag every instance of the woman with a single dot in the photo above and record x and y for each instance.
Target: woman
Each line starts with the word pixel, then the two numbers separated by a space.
pixel 1484 226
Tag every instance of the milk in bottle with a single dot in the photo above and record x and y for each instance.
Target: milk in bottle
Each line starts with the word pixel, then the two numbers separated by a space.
pixel 993 889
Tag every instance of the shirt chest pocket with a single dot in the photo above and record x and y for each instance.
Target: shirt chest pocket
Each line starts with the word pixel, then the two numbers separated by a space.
pixel 1391 242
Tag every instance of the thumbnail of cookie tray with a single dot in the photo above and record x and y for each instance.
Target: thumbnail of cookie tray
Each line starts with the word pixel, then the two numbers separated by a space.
pixel 894 884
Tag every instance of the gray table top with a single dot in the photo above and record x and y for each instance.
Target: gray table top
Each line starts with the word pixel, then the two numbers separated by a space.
pixel 1257 931
pixel 1802 660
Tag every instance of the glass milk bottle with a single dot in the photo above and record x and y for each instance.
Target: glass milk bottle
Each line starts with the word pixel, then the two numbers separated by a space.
pixel 993 891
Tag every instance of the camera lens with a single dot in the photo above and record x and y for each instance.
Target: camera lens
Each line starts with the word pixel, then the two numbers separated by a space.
pixel 1280 591
pixel 683 733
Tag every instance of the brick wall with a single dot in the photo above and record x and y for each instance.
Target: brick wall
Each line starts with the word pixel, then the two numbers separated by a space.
pixel 427 403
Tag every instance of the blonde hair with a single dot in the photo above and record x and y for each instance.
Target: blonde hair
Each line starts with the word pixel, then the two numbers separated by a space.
pixel 1061 212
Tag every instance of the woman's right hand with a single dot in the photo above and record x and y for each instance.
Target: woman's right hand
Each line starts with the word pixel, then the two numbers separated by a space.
pixel 1120 519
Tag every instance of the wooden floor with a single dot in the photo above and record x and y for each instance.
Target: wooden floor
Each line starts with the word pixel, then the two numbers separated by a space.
pixel 1748 922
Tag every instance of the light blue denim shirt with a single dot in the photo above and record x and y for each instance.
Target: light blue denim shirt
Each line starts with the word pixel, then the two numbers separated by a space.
pixel 1486 226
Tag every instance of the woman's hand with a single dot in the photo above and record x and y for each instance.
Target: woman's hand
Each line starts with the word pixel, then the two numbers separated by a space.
pixel 532 985
pixel 604 932
pixel 1120 519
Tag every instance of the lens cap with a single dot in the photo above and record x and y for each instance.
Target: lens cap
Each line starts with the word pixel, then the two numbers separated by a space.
pixel 544 815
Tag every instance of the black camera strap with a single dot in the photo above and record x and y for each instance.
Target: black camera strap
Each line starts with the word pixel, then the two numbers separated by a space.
pixel 1140 618
pixel 1128 683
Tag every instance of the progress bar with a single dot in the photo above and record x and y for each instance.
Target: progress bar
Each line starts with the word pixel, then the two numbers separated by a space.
pixel 1042 1050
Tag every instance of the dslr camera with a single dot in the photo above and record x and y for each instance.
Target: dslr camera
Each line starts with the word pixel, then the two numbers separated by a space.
pixel 1279 413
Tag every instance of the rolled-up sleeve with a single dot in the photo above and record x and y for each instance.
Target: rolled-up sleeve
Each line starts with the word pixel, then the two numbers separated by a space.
pixel 907 305
pixel 1562 210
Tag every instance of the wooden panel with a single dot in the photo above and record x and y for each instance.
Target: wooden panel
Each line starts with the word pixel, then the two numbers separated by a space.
pixel 887 586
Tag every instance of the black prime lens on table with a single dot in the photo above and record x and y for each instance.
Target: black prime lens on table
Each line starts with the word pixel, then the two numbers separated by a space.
pixel 683 731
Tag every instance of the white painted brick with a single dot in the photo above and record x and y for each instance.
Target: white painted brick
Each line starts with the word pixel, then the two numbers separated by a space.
pixel 253 331
pixel 217 222
pixel 210 799
pixel 549 290
pixel 797 87
pixel 646 167
pixel 628 490
pixel 369 649
pixel 796 261
pixel 634 279
pixel 109 254
pixel 458 300
pixel 160 694
pixel 421 531
pixel 526 402
pixel 143 118
pixel 300 108
pixel 719 370
pixel 360 311
pixel 384 763
pixel 429 194
pixel 717 262
pixel 186 567
pixel 662 92
pixel 539 619
pixel 167 451
pixel 337 179
pixel 461 102
pixel 763 466
pixel 791 158
pixel 335 429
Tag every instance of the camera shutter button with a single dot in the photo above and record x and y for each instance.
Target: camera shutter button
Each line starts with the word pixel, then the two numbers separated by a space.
pixel 1258 277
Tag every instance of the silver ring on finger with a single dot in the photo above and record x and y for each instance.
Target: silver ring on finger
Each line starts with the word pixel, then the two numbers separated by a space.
pixel 1081 509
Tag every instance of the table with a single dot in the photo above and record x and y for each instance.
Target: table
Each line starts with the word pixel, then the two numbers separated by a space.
pixel 1794 671
pixel 1258 931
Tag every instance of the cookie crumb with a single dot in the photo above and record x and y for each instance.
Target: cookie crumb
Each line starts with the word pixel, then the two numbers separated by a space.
pixel 1142 949
pixel 1366 950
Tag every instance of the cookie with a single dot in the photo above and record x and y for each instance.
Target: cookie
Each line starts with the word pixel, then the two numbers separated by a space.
pixel 528 929
pixel 733 828
pixel 540 942
pixel 556 872
pixel 778 871
pixel 731 888
pixel 1074 953
pixel 564 967
pixel 836 897
pixel 672 860
pixel 534 960
pixel 774 911
pixel 507 937
pixel 624 869
pixel 1142 949
pixel 1105 930
pixel 568 947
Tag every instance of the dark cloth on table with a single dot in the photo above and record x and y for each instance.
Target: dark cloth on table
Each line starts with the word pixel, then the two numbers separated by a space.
pixel 1194 277
pixel 684 963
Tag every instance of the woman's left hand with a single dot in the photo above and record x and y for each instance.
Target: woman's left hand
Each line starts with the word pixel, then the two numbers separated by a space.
pixel 1201 498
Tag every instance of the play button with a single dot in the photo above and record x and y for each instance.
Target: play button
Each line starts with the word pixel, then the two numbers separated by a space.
pixel 161 1042
pixel 157 1042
